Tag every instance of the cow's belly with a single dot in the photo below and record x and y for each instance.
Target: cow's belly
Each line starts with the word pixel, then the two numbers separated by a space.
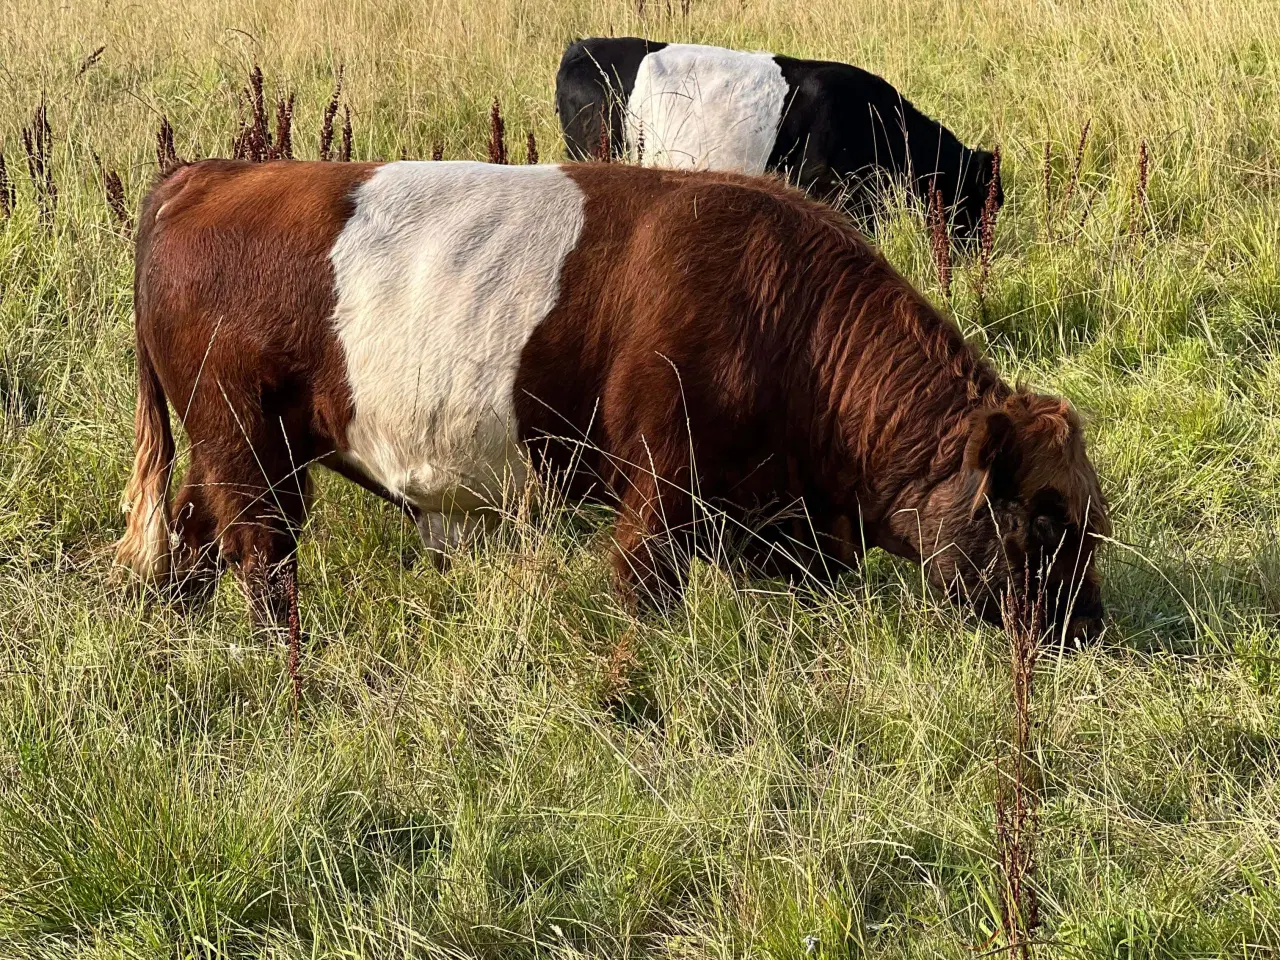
pixel 442 273
pixel 704 108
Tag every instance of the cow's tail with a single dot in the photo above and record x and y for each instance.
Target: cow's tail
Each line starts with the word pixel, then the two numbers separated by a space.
pixel 145 548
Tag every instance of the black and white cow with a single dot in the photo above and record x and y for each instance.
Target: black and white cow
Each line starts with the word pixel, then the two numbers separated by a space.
pixel 826 124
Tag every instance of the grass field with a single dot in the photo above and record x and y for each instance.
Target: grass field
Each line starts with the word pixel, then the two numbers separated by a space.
pixel 499 761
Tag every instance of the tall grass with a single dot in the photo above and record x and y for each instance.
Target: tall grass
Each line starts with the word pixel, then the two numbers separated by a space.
pixel 497 760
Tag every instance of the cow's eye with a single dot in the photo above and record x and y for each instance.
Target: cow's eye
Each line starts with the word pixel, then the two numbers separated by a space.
pixel 1010 522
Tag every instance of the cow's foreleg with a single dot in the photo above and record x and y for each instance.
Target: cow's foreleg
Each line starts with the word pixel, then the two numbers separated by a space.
pixel 443 533
pixel 653 543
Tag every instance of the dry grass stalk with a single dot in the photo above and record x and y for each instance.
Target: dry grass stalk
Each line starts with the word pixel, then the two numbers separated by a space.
pixel 38 142
pixel 330 112
pixel 90 60
pixel 1079 161
pixel 7 195
pixel 295 633
pixel 437 151
pixel 1048 187
pixel 282 147
pixel 939 240
pixel 987 235
pixel 497 134
pixel 640 144
pixel 1141 211
pixel 344 152
pixel 530 148
pixel 167 158
pixel 622 663
pixel 1017 793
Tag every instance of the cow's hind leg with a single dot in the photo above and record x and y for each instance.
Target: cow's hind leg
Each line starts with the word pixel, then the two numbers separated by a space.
pixel 257 491
pixel 195 527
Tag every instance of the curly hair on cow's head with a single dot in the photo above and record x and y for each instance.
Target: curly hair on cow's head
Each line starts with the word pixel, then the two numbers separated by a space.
pixel 1023 506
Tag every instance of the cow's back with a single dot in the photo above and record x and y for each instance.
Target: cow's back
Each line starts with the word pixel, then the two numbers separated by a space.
pixel 423 322
pixel 705 108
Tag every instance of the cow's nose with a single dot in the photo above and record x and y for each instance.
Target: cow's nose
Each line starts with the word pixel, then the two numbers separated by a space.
pixel 1084 629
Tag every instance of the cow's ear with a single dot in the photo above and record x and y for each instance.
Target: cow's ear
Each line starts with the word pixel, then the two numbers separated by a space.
pixel 992 458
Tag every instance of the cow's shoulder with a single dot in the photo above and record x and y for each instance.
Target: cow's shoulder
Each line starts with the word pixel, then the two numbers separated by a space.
pixel 611 56
pixel 817 79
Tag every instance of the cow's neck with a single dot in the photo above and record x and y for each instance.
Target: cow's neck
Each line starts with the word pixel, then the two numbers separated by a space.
pixel 900 439
pixel 936 156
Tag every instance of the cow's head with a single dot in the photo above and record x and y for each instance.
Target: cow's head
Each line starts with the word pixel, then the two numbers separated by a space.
pixel 971 195
pixel 1024 509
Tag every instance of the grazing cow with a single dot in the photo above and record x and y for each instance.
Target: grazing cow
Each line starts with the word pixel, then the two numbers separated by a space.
pixel 707 108
pixel 428 329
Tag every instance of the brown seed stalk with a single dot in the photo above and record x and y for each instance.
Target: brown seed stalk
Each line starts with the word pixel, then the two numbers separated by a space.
pixel 1017 805
pixel 240 142
pixel 167 158
pixel 1079 161
pixel 1141 211
pixel 437 151
pixel 530 148
pixel 257 147
pixel 90 60
pixel 38 142
pixel 344 152
pixel 282 147
pixel 7 197
pixel 990 211
pixel 604 149
pixel 497 134
pixel 113 188
pixel 940 241
pixel 330 112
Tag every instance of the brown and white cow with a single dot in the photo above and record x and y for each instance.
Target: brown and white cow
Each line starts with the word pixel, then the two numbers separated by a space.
pixel 427 329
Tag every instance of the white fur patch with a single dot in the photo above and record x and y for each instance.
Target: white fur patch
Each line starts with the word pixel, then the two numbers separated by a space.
pixel 443 272
pixel 706 108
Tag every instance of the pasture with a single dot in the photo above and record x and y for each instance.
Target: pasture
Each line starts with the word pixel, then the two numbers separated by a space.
pixel 499 760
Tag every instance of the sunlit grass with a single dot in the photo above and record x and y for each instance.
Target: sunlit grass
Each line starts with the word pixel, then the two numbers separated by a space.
pixel 498 760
